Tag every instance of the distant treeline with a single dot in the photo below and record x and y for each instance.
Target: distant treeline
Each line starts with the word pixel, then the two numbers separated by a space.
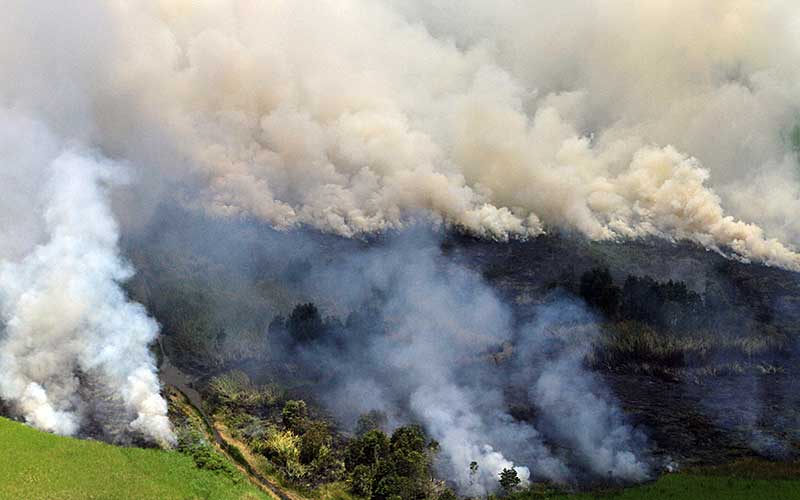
pixel 667 305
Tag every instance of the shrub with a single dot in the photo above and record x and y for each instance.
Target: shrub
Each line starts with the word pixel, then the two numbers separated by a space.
pixel 194 443
pixel 283 447
pixel 295 415
pixel 361 481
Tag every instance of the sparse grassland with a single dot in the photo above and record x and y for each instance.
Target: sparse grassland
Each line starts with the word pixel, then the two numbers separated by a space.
pixel 36 465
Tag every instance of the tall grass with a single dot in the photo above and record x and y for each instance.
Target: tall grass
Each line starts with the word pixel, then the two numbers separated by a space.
pixel 635 347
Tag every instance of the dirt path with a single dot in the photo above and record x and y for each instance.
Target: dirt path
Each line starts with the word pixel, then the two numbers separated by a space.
pixel 172 376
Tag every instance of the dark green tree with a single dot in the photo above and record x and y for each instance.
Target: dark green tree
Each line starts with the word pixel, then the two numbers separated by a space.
pixel 509 480
pixel 361 481
pixel 598 290
pixel 473 471
pixel 367 450
pixel 315 436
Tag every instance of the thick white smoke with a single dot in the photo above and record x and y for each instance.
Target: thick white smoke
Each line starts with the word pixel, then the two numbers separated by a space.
pixel 419 360
pixel 63 314
pixel 503 118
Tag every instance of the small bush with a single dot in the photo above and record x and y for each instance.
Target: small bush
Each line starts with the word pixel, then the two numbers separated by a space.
pixel 195 444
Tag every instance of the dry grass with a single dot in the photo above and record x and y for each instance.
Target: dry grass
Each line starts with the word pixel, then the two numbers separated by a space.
pixel 633 347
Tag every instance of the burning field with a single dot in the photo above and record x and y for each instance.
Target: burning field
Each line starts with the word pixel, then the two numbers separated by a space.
pixel 405 249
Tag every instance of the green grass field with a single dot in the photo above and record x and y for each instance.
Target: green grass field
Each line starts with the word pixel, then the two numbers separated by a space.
pixel 37 465
pixel 745 480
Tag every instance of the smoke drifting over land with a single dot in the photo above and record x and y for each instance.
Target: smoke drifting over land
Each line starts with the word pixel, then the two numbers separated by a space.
pixel 415 347
pixel 611 119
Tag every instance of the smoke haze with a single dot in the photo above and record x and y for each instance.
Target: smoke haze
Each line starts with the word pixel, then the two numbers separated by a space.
pixel 614 120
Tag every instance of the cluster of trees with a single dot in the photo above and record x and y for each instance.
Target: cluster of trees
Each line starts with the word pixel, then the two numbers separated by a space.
pixel 300 447
pixel 307 452
pixel 668 305
pixel 381 467
pixel 305 326
pixel 739 303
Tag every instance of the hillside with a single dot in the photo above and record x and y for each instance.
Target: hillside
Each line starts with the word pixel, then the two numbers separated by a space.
pixel 37 465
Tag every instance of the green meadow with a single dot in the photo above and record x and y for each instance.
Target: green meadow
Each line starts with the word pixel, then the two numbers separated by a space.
pixel 37 465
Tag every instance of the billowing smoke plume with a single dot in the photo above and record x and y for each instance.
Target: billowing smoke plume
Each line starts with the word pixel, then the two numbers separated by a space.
pixel 64 315
pixel 504 118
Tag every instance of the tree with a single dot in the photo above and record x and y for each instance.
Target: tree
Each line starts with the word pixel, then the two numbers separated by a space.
pixel 509 479
pixel 361 481
pixel 642 299
pixel 367 450
pixel 295 415
pixel 473 471
pixel 305 324
pixel 370 421
pixel 315 437
pixel 408 437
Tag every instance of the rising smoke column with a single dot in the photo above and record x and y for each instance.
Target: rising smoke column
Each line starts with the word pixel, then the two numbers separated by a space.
pixel 575 407
pixel 64 314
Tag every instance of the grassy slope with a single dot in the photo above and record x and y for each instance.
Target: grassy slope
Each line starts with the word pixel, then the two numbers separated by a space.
pixel 37 465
